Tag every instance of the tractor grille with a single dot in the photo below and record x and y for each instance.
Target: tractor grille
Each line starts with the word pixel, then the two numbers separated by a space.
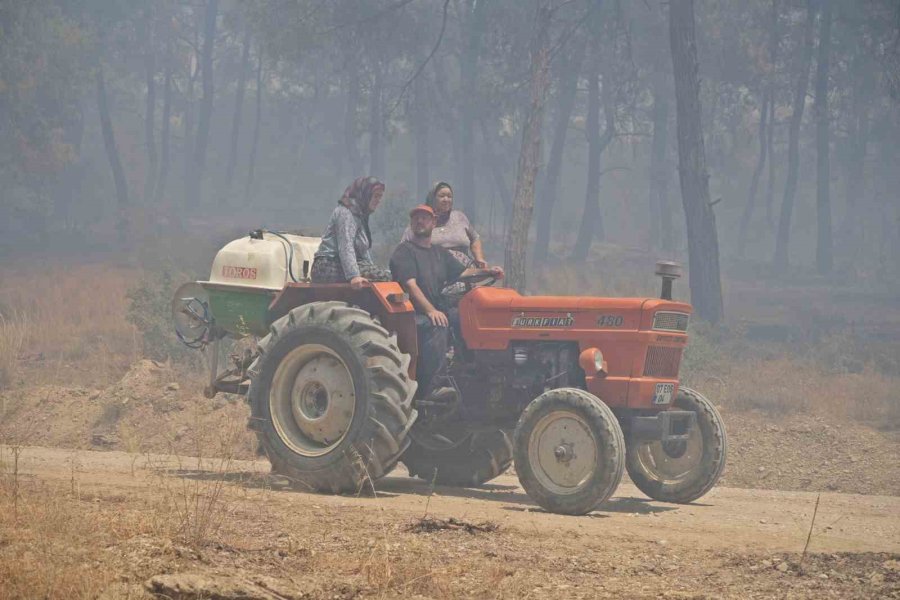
pixel 671 321
pixel 662 362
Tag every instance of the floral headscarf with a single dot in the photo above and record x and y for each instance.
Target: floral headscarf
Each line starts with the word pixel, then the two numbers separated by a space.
pixel 359 193
pixel 431 200
pixel 357 197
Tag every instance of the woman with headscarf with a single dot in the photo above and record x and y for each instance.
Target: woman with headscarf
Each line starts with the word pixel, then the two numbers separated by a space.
pixel 452 229
pixel 345 253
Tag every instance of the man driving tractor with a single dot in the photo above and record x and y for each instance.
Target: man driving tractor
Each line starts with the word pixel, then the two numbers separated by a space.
pixel 423 270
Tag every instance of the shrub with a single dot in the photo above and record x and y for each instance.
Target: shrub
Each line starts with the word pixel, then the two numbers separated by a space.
pixel 703 355
pixel 149 311
pixel 13 331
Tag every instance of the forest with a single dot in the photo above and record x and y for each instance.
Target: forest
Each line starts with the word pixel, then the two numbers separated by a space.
pixel 559 123
pixel 167 435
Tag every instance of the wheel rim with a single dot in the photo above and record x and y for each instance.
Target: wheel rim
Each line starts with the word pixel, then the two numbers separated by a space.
pixel 312 400
pixel 673 463
pixel 562 452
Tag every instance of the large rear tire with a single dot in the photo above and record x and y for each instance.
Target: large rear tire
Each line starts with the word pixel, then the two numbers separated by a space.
pixel 681 473
pixel 474 460
pixel 330 398
pixel 569 451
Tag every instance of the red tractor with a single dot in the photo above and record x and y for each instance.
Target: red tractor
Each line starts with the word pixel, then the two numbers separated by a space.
pixel 575 390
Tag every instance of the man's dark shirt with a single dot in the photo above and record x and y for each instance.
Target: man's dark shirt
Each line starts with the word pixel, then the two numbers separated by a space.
pixel 432 268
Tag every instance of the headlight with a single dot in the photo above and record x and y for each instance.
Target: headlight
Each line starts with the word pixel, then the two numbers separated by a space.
pixel 591 361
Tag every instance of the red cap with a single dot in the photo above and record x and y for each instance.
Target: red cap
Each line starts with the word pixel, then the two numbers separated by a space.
pixel 421 208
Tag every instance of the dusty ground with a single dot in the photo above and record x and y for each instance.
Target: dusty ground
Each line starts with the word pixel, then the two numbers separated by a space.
pixel 154 520
pixel 152 409
pixel 802 452
pixel 105 500
pixel 243 534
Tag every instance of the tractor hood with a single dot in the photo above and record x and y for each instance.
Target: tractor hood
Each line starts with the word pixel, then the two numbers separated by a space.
pixel 491 317
pixel 511 300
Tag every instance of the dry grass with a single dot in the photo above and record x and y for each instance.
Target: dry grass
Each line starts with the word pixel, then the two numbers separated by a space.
pixel 60 542
pixel 73 315
pixel 195 491
pixel 59 545
pixel 786 384
pixel 13 333
pixel 108 539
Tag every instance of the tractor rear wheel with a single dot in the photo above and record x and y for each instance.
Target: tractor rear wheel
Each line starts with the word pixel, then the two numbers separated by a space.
pixel 569 451
pixel 473 460
pixel 682 472
pixel 330 397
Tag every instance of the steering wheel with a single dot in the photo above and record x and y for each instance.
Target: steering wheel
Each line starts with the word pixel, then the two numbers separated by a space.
pixel 463 285
pixel 485 278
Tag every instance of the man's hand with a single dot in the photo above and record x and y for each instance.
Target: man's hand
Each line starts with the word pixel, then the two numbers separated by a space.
pixel 358 282
pixel 437 318
pixel 497 272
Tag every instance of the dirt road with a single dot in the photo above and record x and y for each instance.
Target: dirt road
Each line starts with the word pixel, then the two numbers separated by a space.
pixel 763 520
pixel 732 542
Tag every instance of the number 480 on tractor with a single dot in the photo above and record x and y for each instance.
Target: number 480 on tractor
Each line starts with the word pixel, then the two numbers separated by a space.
pixel 575 390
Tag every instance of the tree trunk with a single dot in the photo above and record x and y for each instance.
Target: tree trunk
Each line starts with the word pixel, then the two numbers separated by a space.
pixel 824 243
pixel 661 227
pixel 150 112
pixel 376 124
pixel 238 112
pixel 854 163
pixel 475 25
pixel 770 150
pixel 568 86
pixel 206 102
pixel 703 244
pixel 592 220
pixel 770 135
pixel 530 155
pixel 888 206
pixel 420 133
pixel 497 168
pixel 189 133
pixel 67 185
pixel 747 215
pixel 109 141
pixel 254 145
pixel 350 132
pixel 165 134
pixel 780 261
pixel 112 153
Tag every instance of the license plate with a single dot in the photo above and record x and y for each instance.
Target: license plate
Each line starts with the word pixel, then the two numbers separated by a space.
pixel 663 394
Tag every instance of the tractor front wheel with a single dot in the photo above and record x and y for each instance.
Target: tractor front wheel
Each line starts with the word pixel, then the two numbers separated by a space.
pixel 569 451
pixel 330 398
pixel 683 471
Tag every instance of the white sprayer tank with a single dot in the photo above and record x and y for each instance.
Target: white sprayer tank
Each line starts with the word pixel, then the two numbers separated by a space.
pixel 266 263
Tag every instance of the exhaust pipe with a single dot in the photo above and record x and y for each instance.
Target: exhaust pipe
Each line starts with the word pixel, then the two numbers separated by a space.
pixel 669 271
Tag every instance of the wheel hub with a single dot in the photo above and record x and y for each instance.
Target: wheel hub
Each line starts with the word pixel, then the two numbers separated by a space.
pixel 563 452
pixel 672 461
pixel 312 400
pixel 675 449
